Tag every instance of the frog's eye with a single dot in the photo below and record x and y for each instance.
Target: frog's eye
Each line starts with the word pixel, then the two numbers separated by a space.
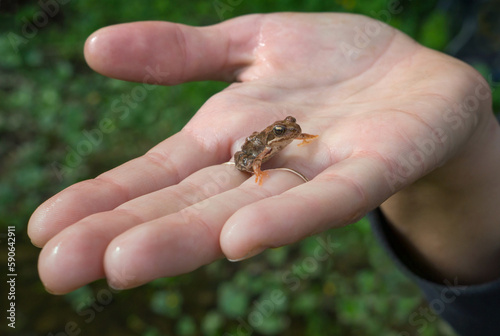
pixel 279 130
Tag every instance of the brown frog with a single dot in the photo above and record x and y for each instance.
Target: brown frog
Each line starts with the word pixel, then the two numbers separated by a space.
pixel 261 146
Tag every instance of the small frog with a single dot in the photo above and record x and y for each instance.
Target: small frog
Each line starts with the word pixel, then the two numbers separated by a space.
pixel 261 146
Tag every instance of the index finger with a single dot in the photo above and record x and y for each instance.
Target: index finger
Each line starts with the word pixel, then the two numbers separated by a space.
pixel 164 165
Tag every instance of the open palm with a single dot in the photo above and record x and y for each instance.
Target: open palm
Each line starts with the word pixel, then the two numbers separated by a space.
pixel 384 107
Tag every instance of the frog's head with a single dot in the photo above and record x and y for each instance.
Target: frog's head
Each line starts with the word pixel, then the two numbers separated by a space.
pixel 287 129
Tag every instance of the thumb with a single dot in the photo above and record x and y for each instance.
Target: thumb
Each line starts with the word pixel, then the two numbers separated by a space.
pixel 158 52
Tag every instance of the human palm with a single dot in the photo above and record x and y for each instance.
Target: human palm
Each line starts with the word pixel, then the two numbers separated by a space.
pixel 377 100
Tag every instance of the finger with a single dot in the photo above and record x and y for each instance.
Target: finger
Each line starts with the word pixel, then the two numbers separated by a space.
pixel 338 196
pixel 157 52
pixel 74 257
pixel 186 240
pixel 164 165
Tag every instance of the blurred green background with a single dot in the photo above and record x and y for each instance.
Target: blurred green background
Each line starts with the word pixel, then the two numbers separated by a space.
pixel 49 98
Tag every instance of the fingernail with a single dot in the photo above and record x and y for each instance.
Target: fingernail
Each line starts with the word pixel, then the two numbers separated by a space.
pixel 250 254
pixel 50 291
pixel 113 285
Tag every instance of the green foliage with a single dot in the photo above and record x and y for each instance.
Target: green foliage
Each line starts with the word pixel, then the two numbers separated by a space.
pixel 493 82
pixel 186 326
pixel 435 22
pixel 213 323
pixel 168 303
pixel 233 300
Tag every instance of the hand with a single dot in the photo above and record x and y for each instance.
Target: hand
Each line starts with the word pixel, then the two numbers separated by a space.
pixel 373 95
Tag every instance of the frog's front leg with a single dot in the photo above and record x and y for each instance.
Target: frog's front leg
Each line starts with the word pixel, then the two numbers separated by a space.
pixel 257 163
pixel 306 138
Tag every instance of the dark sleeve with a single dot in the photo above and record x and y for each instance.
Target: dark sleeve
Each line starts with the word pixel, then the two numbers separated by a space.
pixel 470 310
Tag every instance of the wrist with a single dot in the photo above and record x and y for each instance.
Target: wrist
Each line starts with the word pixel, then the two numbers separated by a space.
pixel 448 220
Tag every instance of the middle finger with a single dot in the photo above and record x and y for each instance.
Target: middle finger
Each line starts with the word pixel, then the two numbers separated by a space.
pixel 183 241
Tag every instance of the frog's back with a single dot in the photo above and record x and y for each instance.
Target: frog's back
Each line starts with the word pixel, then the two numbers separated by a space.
pixel 252 147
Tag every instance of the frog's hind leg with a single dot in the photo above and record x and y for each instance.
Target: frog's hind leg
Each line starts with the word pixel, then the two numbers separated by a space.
pixel 259 175
pixel 257 163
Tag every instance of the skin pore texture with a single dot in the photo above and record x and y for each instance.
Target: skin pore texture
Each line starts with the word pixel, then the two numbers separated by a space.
pixel 399 125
